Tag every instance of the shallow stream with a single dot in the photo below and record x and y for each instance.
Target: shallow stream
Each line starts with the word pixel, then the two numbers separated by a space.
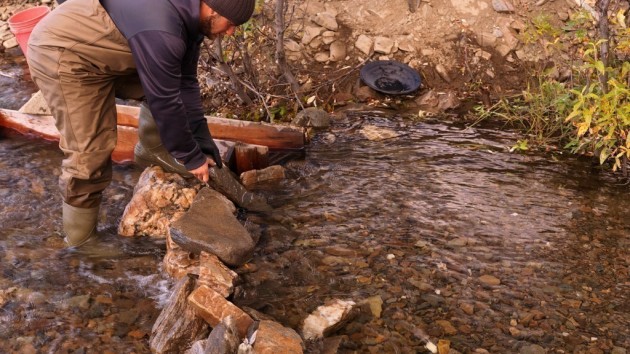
pixel 461 240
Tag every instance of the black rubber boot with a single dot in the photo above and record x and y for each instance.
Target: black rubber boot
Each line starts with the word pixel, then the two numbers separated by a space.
pixel 149 150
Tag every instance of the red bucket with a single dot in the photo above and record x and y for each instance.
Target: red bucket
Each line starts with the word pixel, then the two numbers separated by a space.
pixel 22 23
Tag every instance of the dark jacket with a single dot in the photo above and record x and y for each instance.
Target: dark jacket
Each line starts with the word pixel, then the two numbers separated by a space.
pixel 164 39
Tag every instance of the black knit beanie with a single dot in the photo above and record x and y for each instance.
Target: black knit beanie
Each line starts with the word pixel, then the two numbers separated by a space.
pixel 237 11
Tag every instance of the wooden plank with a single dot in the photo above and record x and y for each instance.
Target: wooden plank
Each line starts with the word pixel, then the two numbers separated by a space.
pixel 250 157
pixel 127 139
pixel 127 115
pixel 27 124
pixel 273 136
pixel 43 126
pixel 276 137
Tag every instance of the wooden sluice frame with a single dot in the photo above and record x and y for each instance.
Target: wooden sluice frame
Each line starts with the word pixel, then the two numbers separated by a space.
pixel 244 145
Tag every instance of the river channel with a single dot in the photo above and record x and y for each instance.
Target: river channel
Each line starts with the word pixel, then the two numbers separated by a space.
pixel 437 234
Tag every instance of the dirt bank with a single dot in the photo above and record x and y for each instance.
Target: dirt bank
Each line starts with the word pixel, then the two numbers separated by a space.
pixel 465 50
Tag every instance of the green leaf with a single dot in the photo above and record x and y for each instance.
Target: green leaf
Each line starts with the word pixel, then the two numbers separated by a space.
pixel 603 155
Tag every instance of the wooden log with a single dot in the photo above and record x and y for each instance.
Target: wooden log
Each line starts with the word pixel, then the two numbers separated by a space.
pixel 276 137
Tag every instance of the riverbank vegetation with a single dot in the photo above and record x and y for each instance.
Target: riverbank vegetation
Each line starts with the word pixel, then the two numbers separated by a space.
pixel 586 111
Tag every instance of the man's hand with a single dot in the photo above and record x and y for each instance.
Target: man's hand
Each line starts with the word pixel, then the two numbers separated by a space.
pixel 202 172
pixel 202 136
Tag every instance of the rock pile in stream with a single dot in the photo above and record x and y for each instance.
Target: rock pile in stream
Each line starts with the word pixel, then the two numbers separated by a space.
pixel 203 239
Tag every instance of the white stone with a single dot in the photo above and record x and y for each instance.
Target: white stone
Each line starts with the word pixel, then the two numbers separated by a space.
pixel 326 318
pixel 405 44
pixel 383 45
pixel 5 36
pixel 36 105
pixel 322 57
pixel 338 51
pixel 11 43
pixel 316 43
pixel 364 44
pixel 292 45
pixel 328 37
pixel 310 33
pixel 326 20
pixel 374 133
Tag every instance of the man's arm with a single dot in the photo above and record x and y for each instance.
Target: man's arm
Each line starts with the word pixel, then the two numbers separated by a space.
pixel 158 56
pixel 191 96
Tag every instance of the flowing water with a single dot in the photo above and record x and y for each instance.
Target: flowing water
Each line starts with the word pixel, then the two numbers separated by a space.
pixel 437 234
pixel 459 239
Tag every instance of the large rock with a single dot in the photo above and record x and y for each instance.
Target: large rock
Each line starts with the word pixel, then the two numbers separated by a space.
pixel 177 327
pixel 224 181
pixel 159 198
pixel 210 226
pixel 213 308
pixel 273 338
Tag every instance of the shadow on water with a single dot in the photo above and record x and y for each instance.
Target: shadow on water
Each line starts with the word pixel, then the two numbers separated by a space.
pixel 458 238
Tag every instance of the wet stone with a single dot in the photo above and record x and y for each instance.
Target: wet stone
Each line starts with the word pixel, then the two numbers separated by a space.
pixel 82 302
pixel 376 305
pixel 532 349
pixel 468 308
pixel 312 117
pixel 224 338
pixel 222 180
pixel 215 274
pixel 177 326
pixel 447 327
pixel 273 338
pixel 210 226
pixel 159 198
pixel 270 174
pixel 489 280
pixel 327 318
pixel 213 308
pixel 432 299
pixel 458 242
pixel 178 263
pixel 199 347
